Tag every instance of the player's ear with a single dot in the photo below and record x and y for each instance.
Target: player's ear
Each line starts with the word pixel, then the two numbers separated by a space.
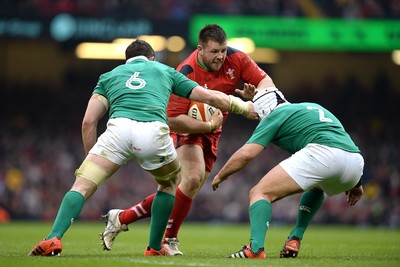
pixel 199 47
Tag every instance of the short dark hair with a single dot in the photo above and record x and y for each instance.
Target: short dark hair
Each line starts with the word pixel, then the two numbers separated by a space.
pixel 139 48
pixel 212 32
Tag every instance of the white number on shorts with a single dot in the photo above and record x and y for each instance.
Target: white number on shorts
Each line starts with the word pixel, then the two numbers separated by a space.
pixel 134 82
pixel 321 114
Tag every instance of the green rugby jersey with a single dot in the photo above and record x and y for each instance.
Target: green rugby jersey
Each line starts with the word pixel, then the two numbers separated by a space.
pixel 293 126
pixel 140 89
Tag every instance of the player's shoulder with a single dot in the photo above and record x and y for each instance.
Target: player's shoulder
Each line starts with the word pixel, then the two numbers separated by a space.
pixel 308 104
pixel 158 64
pixel 236 57
pixel 110 73
pixel 158 69
pixel 186 69
pixel 188 65
pixel 230 51
pixel 301 108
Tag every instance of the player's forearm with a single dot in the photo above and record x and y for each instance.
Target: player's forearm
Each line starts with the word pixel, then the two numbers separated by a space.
pixel 233 165
pixel 220 100
pixel 89 136
pixel 265 83
pixel 96 109
pixel 240 159
pixel 186 124
pixel 229 103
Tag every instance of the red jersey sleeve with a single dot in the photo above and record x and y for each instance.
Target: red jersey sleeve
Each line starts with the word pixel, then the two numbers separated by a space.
pixel 179 105
pixel 251 72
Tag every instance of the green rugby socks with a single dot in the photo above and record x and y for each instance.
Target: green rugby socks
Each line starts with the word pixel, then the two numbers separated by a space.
pixel 260 216
pixel 70 208
pixel 310 203
pixel 161 209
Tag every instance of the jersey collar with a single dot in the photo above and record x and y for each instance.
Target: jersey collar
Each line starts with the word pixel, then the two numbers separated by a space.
pixel 135 58
pixel 201 64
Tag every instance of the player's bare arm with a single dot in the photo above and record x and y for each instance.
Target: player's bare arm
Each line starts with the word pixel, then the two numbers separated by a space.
pixel 96 109
pixel 222 101
pixel 237 162
pixel 265 83
pixel 186 124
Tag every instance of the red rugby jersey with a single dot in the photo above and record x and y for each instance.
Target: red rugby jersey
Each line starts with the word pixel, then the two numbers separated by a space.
pixel 237 67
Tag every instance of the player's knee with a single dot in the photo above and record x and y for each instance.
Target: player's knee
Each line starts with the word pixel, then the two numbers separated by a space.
pixel 84 186
pixel 252 193
pixel 169 179
pixel 259 193
pixel 194 179
pixel 92 172
pixel 193 183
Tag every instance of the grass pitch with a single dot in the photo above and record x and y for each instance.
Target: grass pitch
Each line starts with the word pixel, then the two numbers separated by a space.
pixel 203 244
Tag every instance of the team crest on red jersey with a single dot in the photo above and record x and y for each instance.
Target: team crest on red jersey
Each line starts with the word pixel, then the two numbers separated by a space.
pixel 231 74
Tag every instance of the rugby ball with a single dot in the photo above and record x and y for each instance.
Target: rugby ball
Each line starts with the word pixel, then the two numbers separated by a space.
pixel 200 111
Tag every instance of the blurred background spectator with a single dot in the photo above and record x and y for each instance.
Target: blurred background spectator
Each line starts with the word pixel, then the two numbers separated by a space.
pixel 40 141
pixel 183 9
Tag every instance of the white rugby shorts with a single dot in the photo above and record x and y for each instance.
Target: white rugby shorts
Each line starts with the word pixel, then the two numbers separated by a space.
pixel 333 170
pixel 124 139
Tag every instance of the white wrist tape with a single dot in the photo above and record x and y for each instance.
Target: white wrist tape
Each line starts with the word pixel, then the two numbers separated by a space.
pixel 238 106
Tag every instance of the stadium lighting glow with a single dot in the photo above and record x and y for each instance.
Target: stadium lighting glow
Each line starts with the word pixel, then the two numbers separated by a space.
pixel 158 42
pixel 265 55
pixel 125 41
pixel 100 51
pixel 396 57
pixel 175 44
pixel 116 49
pixel 245 45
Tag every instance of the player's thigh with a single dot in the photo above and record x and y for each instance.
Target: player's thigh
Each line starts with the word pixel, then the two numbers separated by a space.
pixel 192 160
pixel 93 171
pixel 107 165
pixel 276 184
pixel 167 176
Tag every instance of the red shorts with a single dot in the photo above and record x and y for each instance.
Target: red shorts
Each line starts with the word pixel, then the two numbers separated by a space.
pixel 209 144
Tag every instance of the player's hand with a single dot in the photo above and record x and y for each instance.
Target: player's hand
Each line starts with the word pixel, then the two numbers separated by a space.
pixel 216 120
pixel 354 195
pixel 216 181
pixel 252 115
pixel 248 92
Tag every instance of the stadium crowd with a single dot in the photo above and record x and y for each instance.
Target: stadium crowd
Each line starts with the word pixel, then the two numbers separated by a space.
pixel 183 9
pixel 40 130
pixel 40 148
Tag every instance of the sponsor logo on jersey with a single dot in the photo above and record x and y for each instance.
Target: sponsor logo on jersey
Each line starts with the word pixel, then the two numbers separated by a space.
pixel 231 74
